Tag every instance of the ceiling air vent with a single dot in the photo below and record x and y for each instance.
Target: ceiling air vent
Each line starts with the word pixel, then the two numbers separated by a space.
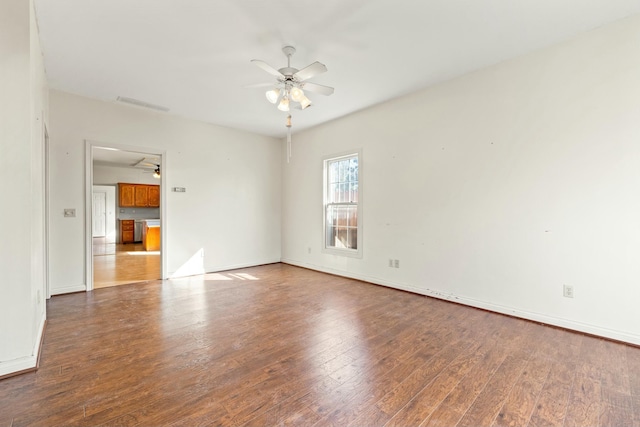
pixel 142 104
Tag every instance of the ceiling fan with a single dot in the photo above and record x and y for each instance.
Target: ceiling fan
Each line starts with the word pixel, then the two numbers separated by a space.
pixel 290 86
pixel 291 82
pixel 149 164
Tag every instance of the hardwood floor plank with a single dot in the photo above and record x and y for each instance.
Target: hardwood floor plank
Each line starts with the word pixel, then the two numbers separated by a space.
pixel 118 264
pixel 519 406
pixel 633 365
pixel 635 401
pixel 281 345
pixel 551 406
pixel 614 368
pixel 487 405
pixel 425 400
pixel 449 412
pixel 375 382
pixel 585 401
pixel 617 409
pixel 396 399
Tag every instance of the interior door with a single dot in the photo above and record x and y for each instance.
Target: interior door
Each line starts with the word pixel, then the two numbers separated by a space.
pixel 99 214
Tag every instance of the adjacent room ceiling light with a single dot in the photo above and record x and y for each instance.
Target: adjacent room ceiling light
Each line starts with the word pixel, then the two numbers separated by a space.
pixel 156 172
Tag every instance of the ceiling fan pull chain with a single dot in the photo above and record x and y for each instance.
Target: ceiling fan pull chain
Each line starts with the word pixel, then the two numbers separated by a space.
pixel 288 124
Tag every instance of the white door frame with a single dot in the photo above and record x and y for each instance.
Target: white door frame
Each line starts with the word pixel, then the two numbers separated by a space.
pixel 47 171
pixel 88 207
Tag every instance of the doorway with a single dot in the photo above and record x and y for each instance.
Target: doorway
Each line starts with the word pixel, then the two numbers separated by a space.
pixel 110 260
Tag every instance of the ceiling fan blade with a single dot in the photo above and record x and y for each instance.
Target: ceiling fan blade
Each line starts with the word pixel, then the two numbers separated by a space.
pixel 268 68
pixel 259 85
pixel 316 88
pixel 310 71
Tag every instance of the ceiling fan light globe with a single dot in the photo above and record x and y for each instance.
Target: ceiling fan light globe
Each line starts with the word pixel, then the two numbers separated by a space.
pixel 297 94
pixel 284 104
pixel 305 102
pixel 272 95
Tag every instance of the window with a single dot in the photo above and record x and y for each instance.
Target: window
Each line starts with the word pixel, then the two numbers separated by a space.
pixel 342 216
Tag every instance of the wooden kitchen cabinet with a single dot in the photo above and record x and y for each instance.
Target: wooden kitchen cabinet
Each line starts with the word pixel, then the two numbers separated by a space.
pixel 138 195
pixel 127 227
pixel 153 193
pixel 126 195
pixel 142 196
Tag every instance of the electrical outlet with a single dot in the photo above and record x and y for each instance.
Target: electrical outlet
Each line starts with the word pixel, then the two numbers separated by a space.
pixel 390 263
pixel 396 263
pixel 567 291
pixel 308 250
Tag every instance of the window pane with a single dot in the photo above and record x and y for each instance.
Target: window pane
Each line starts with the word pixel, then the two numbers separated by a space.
pixel 353 238
pixel 333 172
pixel 332 193
pixel 353 216
pixel 353 164
pixel 330 226
pixel 344 193
pixel 330 233
pixel 341 217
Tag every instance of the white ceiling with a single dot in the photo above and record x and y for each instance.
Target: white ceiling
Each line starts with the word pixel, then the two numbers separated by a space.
pixel 121 158
pixel 193 56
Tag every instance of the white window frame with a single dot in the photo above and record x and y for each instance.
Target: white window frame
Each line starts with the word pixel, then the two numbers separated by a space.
pixel 354 253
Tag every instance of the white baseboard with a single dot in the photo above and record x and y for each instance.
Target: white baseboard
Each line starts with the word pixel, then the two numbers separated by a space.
pixel 485 305
pixel 68 289
pixel 18 365
pixel 28 362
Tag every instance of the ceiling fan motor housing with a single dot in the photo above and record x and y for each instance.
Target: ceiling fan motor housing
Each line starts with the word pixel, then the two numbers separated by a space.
pixel 288 71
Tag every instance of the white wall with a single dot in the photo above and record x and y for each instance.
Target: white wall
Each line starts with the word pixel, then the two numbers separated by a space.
pixel 230 212
pixel 497 188
pixel 23 111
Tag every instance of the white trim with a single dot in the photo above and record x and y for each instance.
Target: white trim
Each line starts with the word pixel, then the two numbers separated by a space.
pixel 88 212
pixel 28 362
pixel 70 289
pixel 88 250
pixel 485 305
pixel 36 345
pixel 17 365
pixel 45 208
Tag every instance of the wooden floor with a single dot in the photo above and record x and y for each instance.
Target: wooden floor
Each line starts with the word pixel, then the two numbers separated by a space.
pixel 280 345
pixel 118 264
